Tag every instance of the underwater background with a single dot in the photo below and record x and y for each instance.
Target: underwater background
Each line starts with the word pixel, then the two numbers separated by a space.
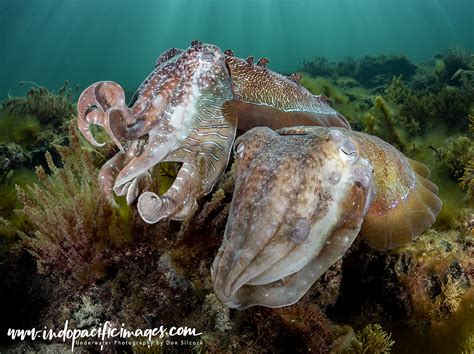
pixel 85 41
pixel 402 70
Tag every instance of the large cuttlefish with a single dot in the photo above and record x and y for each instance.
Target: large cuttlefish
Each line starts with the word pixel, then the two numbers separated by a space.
pixel 187 110
pixel 302 194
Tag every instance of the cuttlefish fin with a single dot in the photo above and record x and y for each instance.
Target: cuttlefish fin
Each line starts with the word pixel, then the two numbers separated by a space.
pixel 408 219
pixel 419 168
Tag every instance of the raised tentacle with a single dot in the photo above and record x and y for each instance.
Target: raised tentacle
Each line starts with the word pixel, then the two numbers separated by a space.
pixel 88 113
pixel 98 104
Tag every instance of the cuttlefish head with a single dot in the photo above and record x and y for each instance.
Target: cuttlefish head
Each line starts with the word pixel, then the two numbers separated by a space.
pixel 204 67
pixel 191 86
pixel 298 204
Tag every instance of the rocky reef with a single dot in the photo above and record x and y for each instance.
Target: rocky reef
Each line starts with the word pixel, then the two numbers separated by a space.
pixel 67 255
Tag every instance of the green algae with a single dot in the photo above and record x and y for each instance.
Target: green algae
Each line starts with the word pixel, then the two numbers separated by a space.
pixel 453 335
pixel 11 223
pixel 23 130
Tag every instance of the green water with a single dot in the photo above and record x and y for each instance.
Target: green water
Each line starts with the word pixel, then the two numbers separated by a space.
pixel 84 41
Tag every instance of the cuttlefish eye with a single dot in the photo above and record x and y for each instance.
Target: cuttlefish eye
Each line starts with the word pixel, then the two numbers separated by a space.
pixel 348 152
pixel 207 57
pixel 239 150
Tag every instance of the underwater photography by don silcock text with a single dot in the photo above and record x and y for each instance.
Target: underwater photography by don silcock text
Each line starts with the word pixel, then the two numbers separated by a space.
pixel 237 176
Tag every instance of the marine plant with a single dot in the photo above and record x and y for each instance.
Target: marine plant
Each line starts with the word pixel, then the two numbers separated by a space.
pixel 344 94
pixel 23 130
pixel 467 179
pixel 455 157
pixel 319 66
pixel 453 60
pixel 76 229
pixel 449 106
pixel 346 67
pixel 373 339
pixel 377 71
pixel 397 91
pixel 12 157
pixel 370 71
pixel 468 345
pixel 382 122
pixel 47 106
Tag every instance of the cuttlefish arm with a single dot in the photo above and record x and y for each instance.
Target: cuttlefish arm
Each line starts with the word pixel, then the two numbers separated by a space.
pixel 405 203
pixel 111 169
pixel 103 103
pixel 194 129
pixel 204 153
pixel 298 204
pixel 265 98
pixel 93 105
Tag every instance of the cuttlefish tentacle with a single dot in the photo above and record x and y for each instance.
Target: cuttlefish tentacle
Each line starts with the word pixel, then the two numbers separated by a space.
pixel 103 104
pixel 186 122
pixel 153 208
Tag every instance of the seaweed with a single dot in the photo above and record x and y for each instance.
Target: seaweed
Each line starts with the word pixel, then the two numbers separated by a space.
pixel 344 94
pixel 77 230
pixel 455 157
pixel 47 106
pixel 376 71
pixel 23 130
pixel 373 339
pixel 468 345
pixel 369 71
pixel 453 60
pixel 319 66
pixel 381 122
pixel 346 67
pixel 12 157
pixel 397 91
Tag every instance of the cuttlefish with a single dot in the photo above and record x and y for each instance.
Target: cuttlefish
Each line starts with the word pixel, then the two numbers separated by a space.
pixel 187 110
pixel 302 193
pixel 301 197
